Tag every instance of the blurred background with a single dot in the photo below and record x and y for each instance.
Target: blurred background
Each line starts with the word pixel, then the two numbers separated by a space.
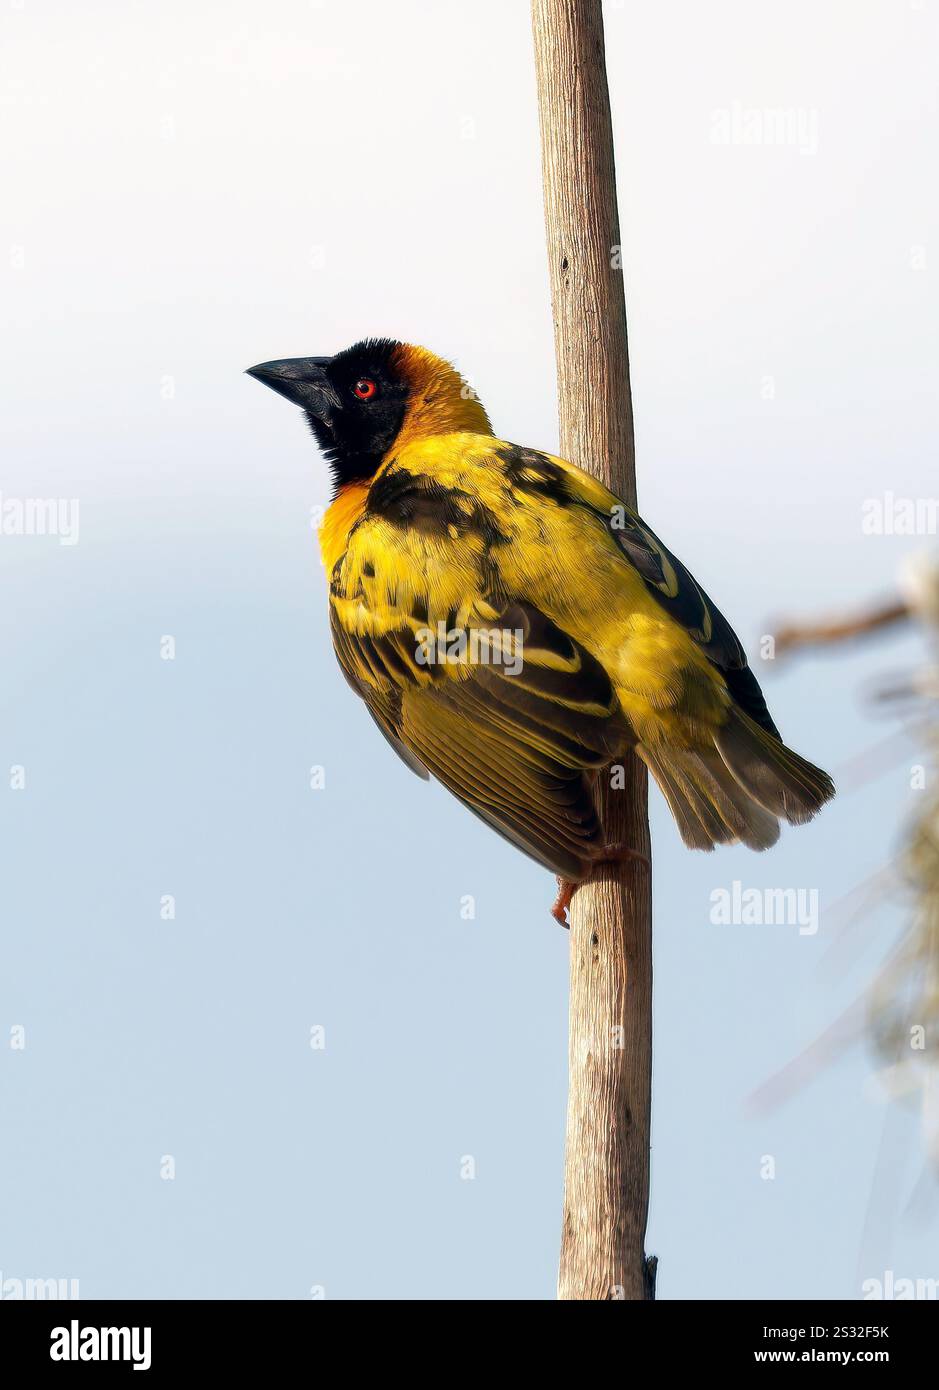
pixel 264 1040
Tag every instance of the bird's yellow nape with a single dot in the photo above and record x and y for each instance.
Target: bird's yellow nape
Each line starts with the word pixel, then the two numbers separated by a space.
pixel 440 401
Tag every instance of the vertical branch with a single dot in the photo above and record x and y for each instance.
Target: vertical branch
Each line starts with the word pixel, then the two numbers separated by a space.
pixel 606 1170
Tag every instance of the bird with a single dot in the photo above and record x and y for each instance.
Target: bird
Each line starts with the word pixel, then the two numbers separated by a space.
pixel 515 629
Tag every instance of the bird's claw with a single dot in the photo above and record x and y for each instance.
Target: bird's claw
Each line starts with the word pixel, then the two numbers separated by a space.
pixel 611 854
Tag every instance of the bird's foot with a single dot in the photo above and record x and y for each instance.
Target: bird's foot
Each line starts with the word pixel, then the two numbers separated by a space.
pixel 562 902
pixel 610 854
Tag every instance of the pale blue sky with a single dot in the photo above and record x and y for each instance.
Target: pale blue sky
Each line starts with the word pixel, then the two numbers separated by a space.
pixel 191 190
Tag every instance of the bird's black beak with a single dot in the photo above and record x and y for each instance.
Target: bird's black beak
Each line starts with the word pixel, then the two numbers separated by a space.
pixel 303 380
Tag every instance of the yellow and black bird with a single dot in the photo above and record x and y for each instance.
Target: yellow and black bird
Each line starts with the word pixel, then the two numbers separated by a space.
pixel 514 628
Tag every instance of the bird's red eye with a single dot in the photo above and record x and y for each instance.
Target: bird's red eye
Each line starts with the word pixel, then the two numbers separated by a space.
pixel 365 389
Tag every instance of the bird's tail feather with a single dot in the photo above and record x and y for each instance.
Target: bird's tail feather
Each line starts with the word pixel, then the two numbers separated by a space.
pixel 775 776
pixel 739 788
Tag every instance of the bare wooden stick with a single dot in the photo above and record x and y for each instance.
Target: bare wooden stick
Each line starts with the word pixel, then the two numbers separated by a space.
pixel 606 1170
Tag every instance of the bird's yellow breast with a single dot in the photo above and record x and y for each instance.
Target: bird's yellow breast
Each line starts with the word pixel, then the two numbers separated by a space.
pixel 341 516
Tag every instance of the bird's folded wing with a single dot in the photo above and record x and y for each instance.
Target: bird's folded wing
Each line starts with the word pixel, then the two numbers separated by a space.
pixel 480 689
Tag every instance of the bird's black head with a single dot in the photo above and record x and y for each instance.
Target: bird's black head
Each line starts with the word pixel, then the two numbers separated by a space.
pixel 365 399
pixel 355 402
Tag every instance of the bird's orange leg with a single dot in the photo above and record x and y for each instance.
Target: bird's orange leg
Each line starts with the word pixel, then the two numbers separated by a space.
pixel 611 854
pixel 562 902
